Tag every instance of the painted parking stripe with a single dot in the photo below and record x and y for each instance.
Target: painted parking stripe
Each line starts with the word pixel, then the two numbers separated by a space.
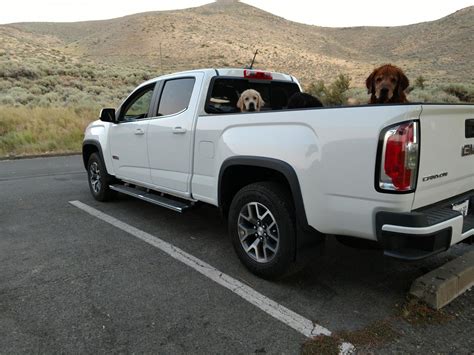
pixel 274 309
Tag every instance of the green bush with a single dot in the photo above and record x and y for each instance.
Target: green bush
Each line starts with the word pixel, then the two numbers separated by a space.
pixel 318 89
pixel 334 94
pixel 7 101
pixel 420 82
pixel 433 95
pixel 17 72
pixel 33 83
pixel 464 93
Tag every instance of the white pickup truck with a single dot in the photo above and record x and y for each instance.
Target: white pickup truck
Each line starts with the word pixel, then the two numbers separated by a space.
pixel 399 175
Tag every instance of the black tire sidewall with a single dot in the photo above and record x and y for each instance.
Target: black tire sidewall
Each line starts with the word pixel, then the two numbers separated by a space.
pixel 104 193
pixel 275 198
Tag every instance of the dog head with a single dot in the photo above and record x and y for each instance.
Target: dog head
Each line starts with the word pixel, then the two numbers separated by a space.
pixel 250 101
pixel 387 84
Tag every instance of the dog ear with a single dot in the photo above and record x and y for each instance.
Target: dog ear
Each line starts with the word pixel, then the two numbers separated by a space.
pixel 240 103
pixel 403 82
pixel 370 83
pixel 260 101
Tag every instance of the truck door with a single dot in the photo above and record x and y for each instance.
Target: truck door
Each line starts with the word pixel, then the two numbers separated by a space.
pixel 128 145
pixel 170 134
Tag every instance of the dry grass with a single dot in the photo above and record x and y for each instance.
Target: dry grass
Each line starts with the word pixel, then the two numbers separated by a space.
pixel 373 335
pixel 417 312
pixel 25 131
pixel 321 345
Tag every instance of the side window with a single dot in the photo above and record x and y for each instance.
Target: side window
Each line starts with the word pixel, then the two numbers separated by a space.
pixel 138 106
pixel 175 96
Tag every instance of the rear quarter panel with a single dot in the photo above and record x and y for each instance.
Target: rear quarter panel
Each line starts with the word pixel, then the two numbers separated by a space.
pixel 333 152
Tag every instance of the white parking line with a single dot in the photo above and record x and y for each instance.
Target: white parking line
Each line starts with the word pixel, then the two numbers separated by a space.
pixel 274 309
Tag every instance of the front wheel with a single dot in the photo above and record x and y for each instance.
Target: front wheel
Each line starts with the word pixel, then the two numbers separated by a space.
pixel 99 180
pixel 262 228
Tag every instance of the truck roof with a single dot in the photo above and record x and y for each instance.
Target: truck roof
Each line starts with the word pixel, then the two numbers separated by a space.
pixel 240 73
pixel 256 74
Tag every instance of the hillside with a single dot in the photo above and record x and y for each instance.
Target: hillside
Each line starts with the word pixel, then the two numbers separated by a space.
pixel 226 34
pixel 54 77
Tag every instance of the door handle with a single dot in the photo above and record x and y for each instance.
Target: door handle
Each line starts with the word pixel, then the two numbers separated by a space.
pixel 179 130
pixel 139 132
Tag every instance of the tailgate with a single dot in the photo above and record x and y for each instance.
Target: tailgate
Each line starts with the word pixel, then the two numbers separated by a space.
pixel 444 170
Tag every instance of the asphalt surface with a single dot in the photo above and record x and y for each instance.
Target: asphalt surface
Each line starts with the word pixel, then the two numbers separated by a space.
pixel 71 283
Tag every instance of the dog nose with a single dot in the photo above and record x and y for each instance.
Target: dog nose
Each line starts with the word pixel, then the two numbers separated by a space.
pixel 384 91
pixel 252 107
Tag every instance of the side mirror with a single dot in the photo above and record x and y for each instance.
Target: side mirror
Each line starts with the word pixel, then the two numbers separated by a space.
pixel 108 115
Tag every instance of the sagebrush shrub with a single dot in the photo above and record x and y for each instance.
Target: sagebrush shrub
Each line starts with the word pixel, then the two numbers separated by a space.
pixel 334 94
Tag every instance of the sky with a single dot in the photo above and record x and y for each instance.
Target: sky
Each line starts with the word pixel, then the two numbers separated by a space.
pixel 331 13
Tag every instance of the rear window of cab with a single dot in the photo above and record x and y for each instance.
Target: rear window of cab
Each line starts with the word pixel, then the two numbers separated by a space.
pixel 224 93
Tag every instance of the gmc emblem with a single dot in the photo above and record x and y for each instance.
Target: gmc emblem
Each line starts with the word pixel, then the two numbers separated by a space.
pixel 468 149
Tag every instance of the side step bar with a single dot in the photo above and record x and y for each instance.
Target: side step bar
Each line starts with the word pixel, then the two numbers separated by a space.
pixel 175 205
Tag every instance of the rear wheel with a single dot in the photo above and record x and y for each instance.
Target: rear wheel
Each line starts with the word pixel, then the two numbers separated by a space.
pixel 262 228
pixel 99 180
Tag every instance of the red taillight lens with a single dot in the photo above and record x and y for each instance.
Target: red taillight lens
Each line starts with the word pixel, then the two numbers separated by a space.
pixel 399 158
pixel 258 75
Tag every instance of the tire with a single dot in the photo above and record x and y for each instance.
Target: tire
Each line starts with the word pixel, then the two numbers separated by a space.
pixel 262 229
pixel 99 179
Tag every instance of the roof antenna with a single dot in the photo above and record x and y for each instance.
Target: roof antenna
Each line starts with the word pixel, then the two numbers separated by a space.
pixel 253 60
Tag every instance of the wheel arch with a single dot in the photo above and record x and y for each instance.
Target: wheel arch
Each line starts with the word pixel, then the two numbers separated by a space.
pixel 231 179
pixel 89 147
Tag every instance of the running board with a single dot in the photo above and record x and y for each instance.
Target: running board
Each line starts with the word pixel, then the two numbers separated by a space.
pixel 175 205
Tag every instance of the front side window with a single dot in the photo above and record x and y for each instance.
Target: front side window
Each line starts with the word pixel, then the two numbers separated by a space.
pixel 138 105
pixel 176 96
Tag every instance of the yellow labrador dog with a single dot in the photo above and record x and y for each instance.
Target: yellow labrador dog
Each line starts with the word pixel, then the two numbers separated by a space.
pixel 250 101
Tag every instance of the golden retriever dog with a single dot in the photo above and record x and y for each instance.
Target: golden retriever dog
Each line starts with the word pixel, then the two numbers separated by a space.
pixel 250 101
pixel 387 84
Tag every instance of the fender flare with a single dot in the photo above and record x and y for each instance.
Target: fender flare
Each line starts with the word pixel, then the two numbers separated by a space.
pixel 95 143
pixel 274 164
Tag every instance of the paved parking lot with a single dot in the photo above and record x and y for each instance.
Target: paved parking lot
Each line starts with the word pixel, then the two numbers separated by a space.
pixel 71 282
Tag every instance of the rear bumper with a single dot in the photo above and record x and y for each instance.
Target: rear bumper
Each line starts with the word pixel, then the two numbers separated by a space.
pixel 424 232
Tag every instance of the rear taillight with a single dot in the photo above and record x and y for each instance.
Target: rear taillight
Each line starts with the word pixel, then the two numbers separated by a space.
pixel 399 158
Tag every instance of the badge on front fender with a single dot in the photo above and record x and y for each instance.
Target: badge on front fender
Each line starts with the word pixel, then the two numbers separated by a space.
pixel 468 149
